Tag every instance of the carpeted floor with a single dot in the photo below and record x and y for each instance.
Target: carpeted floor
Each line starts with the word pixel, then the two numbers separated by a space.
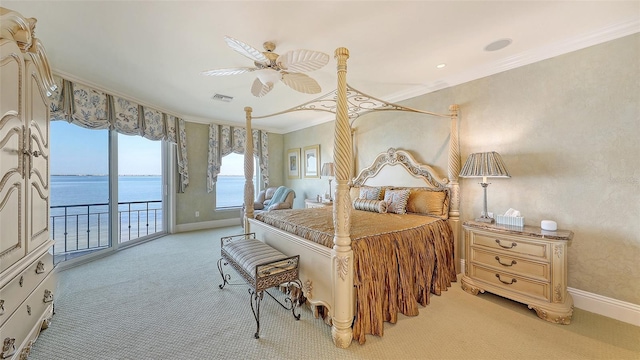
pixel 160 300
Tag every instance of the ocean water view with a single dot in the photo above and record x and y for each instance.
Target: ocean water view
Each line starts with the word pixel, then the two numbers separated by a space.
pixel 79 212
pixel 94 189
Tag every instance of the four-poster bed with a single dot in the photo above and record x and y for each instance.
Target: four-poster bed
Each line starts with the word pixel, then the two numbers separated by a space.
pixel 327 271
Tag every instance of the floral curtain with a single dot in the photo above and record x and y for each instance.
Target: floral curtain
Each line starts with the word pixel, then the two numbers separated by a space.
pixel 224 140
pixel 126 116
pixel 93 109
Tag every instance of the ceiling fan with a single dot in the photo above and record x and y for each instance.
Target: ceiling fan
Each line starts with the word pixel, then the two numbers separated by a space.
pixel 271 67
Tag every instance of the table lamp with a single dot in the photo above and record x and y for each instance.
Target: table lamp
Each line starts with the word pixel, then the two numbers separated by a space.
pixel 484 165
pixel 328 170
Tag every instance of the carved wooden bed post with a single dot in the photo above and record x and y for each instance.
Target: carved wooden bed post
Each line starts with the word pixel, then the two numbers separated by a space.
pixel 452 173
pixel 342 254
pixel 248 171
pixel 339 295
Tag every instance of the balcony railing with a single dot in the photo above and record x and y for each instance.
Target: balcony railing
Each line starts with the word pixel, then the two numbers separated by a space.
pixel 85 227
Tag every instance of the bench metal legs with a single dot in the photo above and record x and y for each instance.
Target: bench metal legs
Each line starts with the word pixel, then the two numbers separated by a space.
pixel 256 298
pixel 225 278
pixel 294 298
pixel 290 303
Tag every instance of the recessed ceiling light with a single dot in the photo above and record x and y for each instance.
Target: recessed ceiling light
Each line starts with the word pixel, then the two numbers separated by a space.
pixel 498 44
pixel 440 66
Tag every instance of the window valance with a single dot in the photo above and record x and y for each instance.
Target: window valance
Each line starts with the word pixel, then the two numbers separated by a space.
pixel 94 109
pixel 224 140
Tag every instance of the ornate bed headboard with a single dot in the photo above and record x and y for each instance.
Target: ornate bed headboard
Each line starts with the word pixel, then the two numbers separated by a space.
pixel 399 168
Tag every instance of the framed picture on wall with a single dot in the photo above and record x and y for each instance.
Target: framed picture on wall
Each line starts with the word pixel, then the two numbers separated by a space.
pixel 293 163
pixel 312 161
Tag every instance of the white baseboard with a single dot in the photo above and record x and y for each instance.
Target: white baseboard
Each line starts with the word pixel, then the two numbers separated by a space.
pixel 207 225
pixel 605 306
pixel 598 304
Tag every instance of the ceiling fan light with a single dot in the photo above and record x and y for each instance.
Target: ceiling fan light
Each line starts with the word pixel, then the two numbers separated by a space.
pixel 268 76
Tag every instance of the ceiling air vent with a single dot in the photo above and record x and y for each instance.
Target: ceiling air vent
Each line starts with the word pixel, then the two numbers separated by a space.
pixel 220 97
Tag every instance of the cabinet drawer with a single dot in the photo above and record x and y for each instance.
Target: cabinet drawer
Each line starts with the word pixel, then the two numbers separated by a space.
pixel 511 283
pixel 14 293
pixel 511 245
pixel 511 264
pixel 28 315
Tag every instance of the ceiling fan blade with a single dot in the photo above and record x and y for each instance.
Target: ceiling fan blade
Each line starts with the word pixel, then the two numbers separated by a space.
pixel 301 82
pixel 230 71
pixel 302 60
pixel 246 50
pixel 259 89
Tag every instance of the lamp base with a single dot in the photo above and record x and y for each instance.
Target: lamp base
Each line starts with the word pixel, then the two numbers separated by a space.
pixel 485 220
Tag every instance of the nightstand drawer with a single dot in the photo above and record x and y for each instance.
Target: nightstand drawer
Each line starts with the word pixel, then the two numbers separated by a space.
pixel 511 282
pixel 511 264
pixel 511 244
pixel 524 264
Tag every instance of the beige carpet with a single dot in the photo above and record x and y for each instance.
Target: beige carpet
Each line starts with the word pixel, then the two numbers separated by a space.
pixel 160 300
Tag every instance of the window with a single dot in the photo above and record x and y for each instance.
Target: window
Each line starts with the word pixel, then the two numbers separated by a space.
pixel 140 209
pixel 230 184
pixel 79 206
pixel 86 215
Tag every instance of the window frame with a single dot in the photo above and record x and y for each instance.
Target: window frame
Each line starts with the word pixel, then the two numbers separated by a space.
pixel 257 182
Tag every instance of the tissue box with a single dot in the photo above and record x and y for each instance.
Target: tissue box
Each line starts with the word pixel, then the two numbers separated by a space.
pixel 510 220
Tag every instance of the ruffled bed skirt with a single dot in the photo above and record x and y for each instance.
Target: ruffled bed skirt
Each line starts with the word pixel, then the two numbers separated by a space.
pixel 399 260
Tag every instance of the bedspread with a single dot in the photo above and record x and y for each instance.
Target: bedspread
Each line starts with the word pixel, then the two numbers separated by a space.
pixel 398 259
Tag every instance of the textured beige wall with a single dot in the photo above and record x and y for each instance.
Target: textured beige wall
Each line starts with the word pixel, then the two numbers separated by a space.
pixel 308 188
pixel 276 159
pixel 567 129
pixel 196 196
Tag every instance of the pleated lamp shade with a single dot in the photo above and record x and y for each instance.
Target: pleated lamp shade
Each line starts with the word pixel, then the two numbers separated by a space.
pixel 484 165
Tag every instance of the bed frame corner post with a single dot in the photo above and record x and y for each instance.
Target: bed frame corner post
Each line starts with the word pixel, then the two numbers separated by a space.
pixel 248 172
pixel 342 254
pixel 453 172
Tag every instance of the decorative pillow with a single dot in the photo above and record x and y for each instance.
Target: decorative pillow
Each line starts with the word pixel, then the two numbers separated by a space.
pixel 382 190
pixel 429 202
pixel 258 206
pixel 396 200
pixel 268 194
pixel 370 193
pixel 370 205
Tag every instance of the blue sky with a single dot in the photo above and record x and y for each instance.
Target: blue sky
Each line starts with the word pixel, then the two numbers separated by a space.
pixel 79 151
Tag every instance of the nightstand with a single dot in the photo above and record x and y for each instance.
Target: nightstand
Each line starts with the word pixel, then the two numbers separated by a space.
pixel 525 264
pixel 312 203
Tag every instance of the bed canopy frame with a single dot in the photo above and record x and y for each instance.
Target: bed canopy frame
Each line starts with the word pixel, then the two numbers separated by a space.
pixel 348 104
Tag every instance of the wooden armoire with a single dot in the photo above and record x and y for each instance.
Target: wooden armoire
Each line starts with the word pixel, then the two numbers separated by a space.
pixel 27 281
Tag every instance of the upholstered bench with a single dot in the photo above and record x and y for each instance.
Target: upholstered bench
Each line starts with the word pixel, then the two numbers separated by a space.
pixel 262 267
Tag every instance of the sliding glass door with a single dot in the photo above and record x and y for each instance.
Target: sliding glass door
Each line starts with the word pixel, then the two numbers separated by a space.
pixel 106 190
pixel 79 206
pixel 140 210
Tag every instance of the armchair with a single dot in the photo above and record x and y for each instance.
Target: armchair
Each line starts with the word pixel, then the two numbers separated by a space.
pixel 265 199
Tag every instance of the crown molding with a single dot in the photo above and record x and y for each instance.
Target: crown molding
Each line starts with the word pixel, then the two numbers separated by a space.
pixel 78 80
pixel 621 29
pixel 191 119
pixel 608 33
pixel 624 28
